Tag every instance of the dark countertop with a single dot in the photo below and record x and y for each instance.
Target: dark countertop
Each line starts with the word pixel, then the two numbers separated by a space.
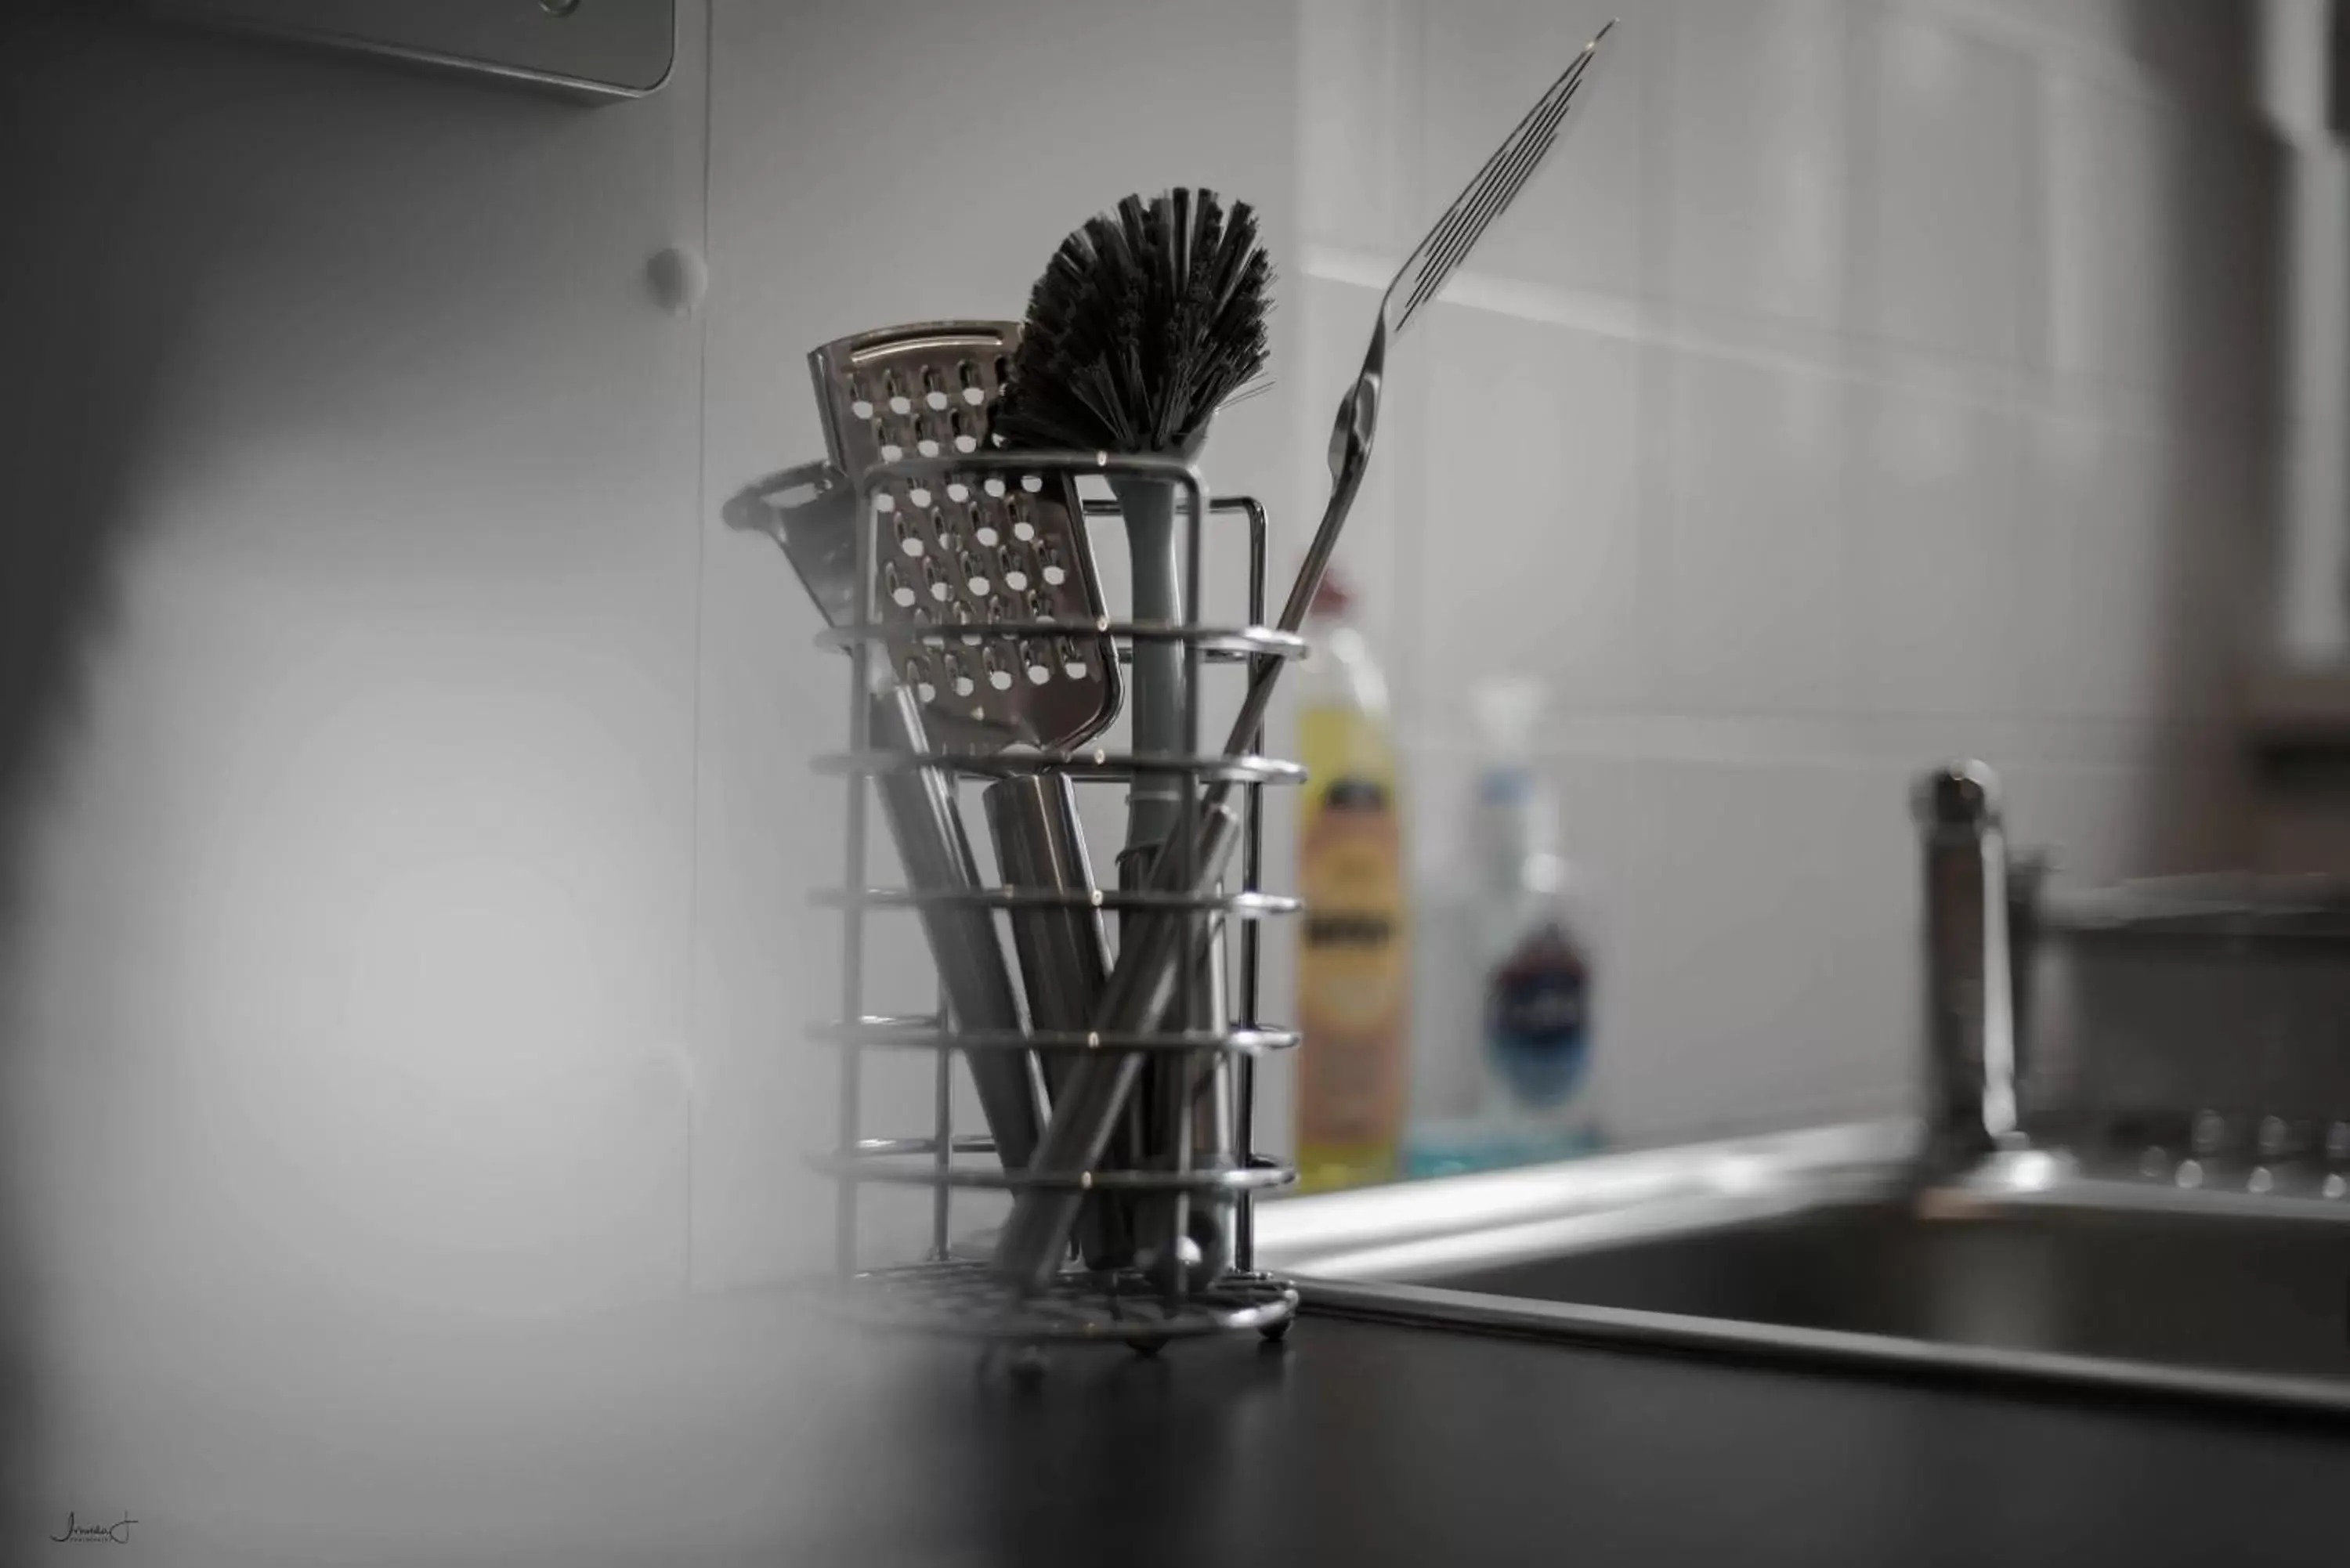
pixel 1367 1443
pixel 737 1429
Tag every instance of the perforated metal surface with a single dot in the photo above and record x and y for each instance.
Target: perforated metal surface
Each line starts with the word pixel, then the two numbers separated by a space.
pixel 970 550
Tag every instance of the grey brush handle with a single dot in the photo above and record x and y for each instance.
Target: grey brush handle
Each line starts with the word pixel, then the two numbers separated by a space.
pixel 1144 1140
pixel 1141 993
pixel 927 822
pixel 1154 799
pixel 1184 1105
pixel 1063 950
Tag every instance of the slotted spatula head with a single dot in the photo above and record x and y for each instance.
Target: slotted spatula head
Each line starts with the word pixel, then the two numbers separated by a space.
pixel 1422 277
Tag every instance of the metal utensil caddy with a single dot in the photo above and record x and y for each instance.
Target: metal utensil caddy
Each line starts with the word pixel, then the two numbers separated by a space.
pixel 947 1294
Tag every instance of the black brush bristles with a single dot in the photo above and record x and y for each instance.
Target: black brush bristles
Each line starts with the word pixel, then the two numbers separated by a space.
pixel 1145 321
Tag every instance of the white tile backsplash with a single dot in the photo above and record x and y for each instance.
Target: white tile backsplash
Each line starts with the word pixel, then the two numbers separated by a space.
pixel 1764 974
pixel 1481 66
pixel 1357 125
pixel 1942 556
pixel 1942 146
pixel 1754 128
pixel 1523 548
pixel 2114 195
pixel 1756 533
pixel 2099 489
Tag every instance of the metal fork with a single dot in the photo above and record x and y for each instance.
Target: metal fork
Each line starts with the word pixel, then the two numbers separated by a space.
pixel 1164 946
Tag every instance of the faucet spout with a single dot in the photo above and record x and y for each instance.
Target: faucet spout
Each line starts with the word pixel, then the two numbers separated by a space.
pixel 1971 1059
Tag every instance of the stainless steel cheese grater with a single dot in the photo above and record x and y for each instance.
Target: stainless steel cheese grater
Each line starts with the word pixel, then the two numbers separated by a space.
pixel 970 552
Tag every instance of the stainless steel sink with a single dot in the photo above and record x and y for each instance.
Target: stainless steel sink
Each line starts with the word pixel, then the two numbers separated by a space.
pixel 1826 1245
pixel 1949 1246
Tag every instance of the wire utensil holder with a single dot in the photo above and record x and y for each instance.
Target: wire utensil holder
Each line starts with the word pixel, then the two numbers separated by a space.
pixel 940 1292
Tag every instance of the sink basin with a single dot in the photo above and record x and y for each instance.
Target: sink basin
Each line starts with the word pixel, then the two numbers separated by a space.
pixel 1825 1246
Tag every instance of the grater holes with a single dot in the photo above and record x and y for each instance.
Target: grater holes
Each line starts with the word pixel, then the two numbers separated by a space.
pixel 992 485
pixel 885 501
pixel 1039 606
pixel 918 495
pixel 982 528
pixel 959 679
pixel 967 377
pixel 998 673
pixel 948 540
pixel 1034 660
pixel 957 491
pixel 1002 369
pixel 1033 484
pixel 1073 663
pixel 1013 572
pixel 965 438
pixel 919 677
pixel 940 588
pixel 861 402
pixel 909 542
pixel 934 392
pixel 974 573
pixel 1050 566
pixel 1023 527
pixel 960 614
pixel 894 584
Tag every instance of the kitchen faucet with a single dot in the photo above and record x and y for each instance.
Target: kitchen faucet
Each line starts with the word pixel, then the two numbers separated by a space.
pixel 1972 1057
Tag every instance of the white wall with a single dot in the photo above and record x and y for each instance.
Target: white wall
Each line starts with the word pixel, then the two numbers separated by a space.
pixel 349 572
pixel 1866 383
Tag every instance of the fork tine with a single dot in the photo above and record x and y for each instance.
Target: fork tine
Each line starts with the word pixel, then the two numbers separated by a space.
pixel 1489 204
pixel 1441 263
pixel 1495 189
pixel 1506 170
pixel 1451 218
pixel 1508 143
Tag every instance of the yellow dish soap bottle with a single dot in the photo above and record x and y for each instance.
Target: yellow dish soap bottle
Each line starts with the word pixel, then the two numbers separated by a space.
pixel 1353 953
